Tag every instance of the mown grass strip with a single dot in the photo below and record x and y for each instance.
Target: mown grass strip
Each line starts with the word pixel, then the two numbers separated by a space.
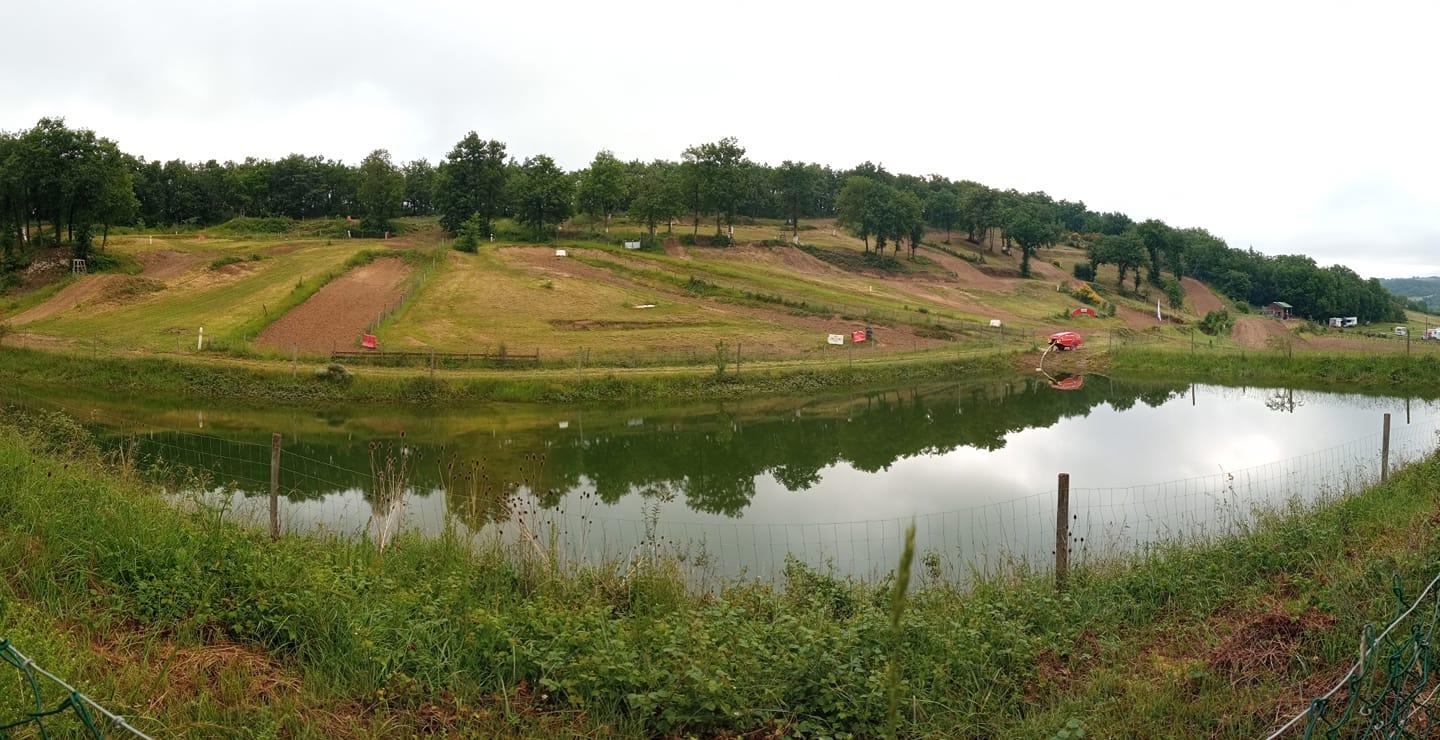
pixel 1418 374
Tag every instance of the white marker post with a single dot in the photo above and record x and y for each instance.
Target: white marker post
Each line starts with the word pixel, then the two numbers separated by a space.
pixel 200 340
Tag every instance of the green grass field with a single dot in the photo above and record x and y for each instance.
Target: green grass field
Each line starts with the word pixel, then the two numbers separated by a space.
pixel 771 300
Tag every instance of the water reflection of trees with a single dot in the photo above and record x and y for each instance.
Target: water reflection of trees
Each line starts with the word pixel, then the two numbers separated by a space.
pixel 713 463
pixel 711 460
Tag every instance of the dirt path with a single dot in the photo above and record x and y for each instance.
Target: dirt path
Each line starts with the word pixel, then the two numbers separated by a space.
pixel 1202 299
pixel 338 313
pixel 167 264
pixel 84 289
pixel 1136 319
pixel 968 275
pixel 674 248
pixel 1255 331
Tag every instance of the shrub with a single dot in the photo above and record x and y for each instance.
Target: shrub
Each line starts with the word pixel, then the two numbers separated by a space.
pixel 231 259
pixel 699 287
pixel 1084 271
pixel 468 240
pixel 1173 292
pixel 334 373
pixel 1086 294
pixel 1217 322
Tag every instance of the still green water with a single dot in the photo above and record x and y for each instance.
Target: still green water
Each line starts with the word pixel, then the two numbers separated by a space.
pixel 736 488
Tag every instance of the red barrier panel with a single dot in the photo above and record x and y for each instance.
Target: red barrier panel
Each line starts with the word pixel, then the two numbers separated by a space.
pixel 369 342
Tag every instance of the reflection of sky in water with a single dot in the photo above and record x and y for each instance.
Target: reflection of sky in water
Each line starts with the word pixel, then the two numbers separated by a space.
pixel 1110 439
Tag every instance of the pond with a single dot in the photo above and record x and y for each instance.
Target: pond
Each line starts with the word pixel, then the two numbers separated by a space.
pixel 737 488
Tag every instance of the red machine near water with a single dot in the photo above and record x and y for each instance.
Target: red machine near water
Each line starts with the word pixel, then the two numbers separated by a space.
pixel 1066 340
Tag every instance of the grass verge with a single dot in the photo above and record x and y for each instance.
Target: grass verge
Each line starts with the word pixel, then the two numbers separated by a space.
pixel 271 383
pixel 1391 373
pixel 189 623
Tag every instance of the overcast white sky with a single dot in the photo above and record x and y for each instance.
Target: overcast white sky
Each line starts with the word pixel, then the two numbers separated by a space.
pixel 1290 126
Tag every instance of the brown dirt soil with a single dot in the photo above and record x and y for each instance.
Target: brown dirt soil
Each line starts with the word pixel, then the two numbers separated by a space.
pixel 164 265
pixel 336 316
pixel 674 248
pixel 791 258
pixel 969 275
pixel 1264 643
pixel 83 290
pixel 1044 269
pixel 1202 299
pixel 1136 319
pixel 1255 331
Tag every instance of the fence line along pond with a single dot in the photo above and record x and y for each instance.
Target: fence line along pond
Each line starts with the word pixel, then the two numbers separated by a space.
pixel 832 481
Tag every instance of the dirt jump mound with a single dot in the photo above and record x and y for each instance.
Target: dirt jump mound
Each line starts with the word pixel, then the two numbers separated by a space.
pixel 338 313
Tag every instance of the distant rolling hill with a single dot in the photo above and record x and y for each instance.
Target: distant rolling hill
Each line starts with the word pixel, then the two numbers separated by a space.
pixel 1425 288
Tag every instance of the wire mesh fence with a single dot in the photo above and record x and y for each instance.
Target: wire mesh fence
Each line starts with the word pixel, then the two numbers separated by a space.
pixel 1389 691
pixel 54 708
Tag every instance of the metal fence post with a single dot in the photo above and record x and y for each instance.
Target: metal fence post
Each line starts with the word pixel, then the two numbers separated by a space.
pixel 1062 532
pixel 275 485
pixel 1385 452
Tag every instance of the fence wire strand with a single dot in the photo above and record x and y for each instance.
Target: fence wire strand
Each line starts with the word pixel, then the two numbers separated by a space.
pixel 96 720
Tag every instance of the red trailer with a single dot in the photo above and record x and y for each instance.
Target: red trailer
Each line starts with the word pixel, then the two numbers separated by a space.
pixel 1066 340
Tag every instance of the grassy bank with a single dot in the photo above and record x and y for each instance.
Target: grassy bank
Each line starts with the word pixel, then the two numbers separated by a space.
pixel 1390 373
pixel 190 624
pixel 272 382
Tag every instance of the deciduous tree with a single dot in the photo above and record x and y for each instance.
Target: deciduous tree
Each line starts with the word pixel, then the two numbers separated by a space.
pixel 381 190
pixel 471 181
pixel 541 194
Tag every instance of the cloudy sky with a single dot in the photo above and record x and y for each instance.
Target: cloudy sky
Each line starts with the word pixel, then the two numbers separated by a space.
pixel 1307 127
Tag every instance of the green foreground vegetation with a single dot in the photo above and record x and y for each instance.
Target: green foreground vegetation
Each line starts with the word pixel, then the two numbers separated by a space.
pixel 188 623
pixel 276 382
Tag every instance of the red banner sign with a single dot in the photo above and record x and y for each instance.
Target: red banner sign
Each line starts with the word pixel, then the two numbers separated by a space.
pixel 858 335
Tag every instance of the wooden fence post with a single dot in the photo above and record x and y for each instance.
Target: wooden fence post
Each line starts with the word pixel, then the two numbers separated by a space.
pixel 1385 452
pixel 275 486
pixel 1062 532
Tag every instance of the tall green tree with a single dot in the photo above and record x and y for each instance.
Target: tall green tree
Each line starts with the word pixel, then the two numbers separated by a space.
pixel 1031 226
pixel 719 171
pixel 381 191
pixel 419 188
pixel 798 184
pixel 541 194
pixel 909 214
pixel 602 188
pixel 979 209
pixel 860 207
pixel 1125 251
pixel 471 181
pixel 942 207
pixel 658 194
pixel 1156 237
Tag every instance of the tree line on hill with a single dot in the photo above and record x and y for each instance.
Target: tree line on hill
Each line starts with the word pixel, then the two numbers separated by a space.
pixel 58 184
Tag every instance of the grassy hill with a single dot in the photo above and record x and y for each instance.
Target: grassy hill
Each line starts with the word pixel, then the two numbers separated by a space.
pixel 677 303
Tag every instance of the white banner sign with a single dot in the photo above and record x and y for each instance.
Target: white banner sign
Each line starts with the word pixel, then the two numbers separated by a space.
pixel 632 245
pixel 836 339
